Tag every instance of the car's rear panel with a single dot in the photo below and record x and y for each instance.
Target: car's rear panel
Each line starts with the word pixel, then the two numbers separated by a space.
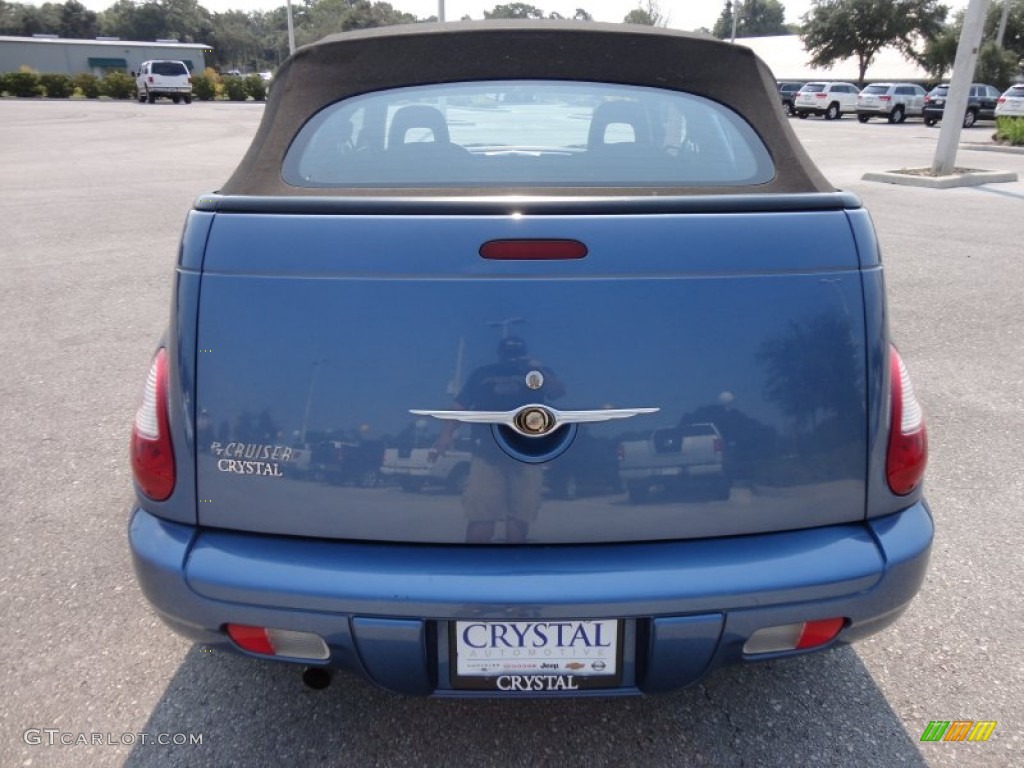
pixel 337 326
pixel 628 255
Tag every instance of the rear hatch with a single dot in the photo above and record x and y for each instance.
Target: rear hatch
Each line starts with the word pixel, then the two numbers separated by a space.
pixel 168 76
pixel 334 327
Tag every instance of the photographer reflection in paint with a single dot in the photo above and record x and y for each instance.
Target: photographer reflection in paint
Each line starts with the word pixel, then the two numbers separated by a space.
pixel 500 488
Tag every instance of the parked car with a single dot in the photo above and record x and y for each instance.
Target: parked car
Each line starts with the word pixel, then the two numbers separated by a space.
pixel 631 219
pixel 826 99
pixel 787 92
pixel 1011 103
pixel 893 101
pixel 163 78
pixel 688 457
pixel 417 468
pixel 981 104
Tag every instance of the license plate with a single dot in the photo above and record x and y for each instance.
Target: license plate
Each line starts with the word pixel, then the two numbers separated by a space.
pixel 536 656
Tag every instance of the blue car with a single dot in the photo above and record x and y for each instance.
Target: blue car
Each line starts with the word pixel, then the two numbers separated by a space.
pixel 561 259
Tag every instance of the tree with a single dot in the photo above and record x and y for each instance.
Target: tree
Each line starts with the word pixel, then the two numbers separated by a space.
pixel 995 66
pixel 77 21
pixel 755 18
pixel 19 19
pixel 514 11
pixel 649 15
pixel 235 41
pixel 838 29
pixel 327 17
pixel 723 27
pixel 580 15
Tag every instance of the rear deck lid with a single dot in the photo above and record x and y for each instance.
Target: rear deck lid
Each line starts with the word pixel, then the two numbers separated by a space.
pixel 324 372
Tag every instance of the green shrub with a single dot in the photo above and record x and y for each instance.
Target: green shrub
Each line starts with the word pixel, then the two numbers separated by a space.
pixel 23 84
pixel 3 83
pixel 203 87
pixel 57 86
pixel 234 88
pixel 118 85
pixel 1010 130
pixel 256 87
pixel 88 84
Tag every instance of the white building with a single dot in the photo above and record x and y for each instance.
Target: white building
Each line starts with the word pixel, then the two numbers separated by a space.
pixel 70 57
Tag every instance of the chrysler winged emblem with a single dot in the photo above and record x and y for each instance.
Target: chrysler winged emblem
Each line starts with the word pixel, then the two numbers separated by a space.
pixel 535 420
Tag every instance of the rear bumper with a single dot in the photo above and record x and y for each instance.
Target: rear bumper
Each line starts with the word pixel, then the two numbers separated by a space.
pixel 384 609
pixel 169 90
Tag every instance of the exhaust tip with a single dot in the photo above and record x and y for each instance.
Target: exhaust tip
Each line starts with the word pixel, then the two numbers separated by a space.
pixel 316 678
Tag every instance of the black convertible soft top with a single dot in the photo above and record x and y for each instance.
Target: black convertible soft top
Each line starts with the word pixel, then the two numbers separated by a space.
pixel 353 63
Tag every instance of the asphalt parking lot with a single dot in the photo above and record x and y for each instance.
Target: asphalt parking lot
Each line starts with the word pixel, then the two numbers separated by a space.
pixel 92 199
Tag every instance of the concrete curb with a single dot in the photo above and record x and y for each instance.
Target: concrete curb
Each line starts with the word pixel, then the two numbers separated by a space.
pixel 968 179
pixel 993 148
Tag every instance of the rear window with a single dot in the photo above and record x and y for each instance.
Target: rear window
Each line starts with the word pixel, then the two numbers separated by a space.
pixel 876 89
pixel 941 90
pixel 1016 91
pixel 813 88
pixel 526 133
pixel 169 68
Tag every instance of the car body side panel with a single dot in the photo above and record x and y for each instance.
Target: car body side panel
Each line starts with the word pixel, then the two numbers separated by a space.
pixel 180 341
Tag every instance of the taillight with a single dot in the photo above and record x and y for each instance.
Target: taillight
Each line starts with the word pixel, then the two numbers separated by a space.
pixel 908 438
pixel 1001 100
pixel 820 95
pixel 152 453
pixel 885 98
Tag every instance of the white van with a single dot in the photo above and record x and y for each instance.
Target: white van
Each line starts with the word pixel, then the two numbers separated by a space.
pixel 163 78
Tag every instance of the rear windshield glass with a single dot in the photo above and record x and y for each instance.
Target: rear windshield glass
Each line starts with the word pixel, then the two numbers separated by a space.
pixel 169 68
pixel 876 89
pixel 1016 91
pixel 941 90
pixel 526 133
pixel 813 88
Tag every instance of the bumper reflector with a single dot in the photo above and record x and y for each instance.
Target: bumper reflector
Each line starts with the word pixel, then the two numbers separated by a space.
pixel 279 642
pixel 792 637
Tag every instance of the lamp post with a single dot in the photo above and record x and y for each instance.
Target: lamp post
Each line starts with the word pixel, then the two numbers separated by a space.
pixel 440 10
pixel 317 364
pixel 959 87
pixel 735 16
pixel 291 30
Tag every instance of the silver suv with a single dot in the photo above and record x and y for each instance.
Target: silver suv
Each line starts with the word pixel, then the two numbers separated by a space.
pixel 894 101
pixel 828 99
